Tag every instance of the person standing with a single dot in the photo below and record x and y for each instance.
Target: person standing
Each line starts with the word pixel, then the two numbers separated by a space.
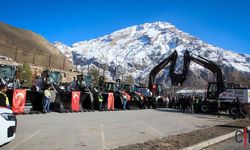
pixel 100 99
pixel 39 83
pixel 217 108
pixel 111 100
pixel 4 100
pixel 47 99
pixel 167 101
pixel 191 103
pixel 182 104
pixel 239 109
pixel 124 99
pixel 73 84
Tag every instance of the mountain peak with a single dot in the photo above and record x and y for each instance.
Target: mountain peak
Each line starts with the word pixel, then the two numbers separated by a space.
pixel 137 49
pixel 158 25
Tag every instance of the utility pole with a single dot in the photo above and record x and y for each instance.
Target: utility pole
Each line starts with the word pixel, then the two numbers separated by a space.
pixel 116 65
pixel 49 60
pixel 34 55
pixel 64 59
pixel 16 54
pixel 88 69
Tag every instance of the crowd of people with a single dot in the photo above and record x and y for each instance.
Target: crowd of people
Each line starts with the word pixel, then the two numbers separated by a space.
pixel 180 102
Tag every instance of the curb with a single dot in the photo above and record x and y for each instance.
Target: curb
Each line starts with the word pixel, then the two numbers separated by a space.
pixel 213 141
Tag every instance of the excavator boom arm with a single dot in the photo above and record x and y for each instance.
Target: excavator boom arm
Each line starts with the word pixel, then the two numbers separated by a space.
pixel 161 65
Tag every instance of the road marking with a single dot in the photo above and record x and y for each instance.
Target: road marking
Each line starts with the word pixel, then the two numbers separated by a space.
pixel 102 137
pixel 25 140
pixel 153 129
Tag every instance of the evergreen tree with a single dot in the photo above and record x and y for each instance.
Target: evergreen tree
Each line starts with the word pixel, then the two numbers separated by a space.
pixel 94 73
pixel 26 75
pixel 129 79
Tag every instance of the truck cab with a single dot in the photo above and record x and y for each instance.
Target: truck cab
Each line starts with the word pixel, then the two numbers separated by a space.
pixel 7 74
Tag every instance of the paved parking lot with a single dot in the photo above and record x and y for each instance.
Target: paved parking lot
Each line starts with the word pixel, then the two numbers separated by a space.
pixel 103 130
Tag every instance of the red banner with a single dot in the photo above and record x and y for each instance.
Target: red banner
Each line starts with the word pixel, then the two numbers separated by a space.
pixel 18 101
pixel 75 101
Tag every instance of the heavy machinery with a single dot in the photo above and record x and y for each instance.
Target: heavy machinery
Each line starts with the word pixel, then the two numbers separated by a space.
pixel 110 86
pixel 88 96
pixel 52 76
pixel 117 87
pixel 219 91
pixel 137 99
pixel 7 75
pixel 176 79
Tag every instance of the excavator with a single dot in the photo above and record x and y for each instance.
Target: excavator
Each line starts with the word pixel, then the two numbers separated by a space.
pixel 217 92
pixel 176 79
pixel 226 94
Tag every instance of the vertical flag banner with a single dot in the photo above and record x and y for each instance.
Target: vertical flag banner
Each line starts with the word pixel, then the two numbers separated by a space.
pixel 75 101
pixel 18 101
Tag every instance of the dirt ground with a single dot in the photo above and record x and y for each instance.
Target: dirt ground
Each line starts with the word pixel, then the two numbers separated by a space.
pixel 174 142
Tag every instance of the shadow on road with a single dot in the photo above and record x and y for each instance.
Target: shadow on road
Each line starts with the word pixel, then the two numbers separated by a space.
pixel 167 110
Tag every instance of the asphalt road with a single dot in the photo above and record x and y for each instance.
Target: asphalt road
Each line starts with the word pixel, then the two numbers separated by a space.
pixel 102 130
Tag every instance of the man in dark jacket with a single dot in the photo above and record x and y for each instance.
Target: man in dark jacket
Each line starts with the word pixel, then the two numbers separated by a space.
pixel 4 101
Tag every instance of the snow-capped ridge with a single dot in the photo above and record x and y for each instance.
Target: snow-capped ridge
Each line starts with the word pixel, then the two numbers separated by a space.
pixel 137 49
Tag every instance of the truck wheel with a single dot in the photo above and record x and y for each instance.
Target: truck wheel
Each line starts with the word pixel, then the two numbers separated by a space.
pixel 232 111
pixel 244 113
pixel 205 108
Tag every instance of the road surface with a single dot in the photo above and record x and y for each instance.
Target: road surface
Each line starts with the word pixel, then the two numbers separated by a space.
pixel 102 130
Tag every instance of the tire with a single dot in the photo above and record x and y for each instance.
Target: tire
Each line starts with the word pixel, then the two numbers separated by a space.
pixel 233 111
pixel 205 108
pixel 244 113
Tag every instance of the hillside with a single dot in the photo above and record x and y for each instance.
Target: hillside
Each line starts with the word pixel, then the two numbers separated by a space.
pixel 25 45
pixel 136 50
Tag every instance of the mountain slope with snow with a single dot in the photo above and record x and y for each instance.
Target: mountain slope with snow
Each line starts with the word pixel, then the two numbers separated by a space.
pixel 136 50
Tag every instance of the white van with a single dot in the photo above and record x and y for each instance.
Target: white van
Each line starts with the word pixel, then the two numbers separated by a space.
pixel 7 126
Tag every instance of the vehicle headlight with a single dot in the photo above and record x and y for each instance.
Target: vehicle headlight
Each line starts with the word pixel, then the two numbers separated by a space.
pixel 8 116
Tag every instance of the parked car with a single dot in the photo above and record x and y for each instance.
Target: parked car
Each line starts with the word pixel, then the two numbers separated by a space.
pixel 8 124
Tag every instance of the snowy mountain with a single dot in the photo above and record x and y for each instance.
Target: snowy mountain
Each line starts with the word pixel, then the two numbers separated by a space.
pixel 136 50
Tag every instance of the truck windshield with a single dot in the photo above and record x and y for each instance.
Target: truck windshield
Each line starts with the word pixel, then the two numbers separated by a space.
pixel 7 72
pixel 109 86
pixel 55 76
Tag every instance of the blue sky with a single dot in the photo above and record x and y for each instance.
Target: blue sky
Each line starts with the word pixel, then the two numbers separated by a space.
pixel 224 23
